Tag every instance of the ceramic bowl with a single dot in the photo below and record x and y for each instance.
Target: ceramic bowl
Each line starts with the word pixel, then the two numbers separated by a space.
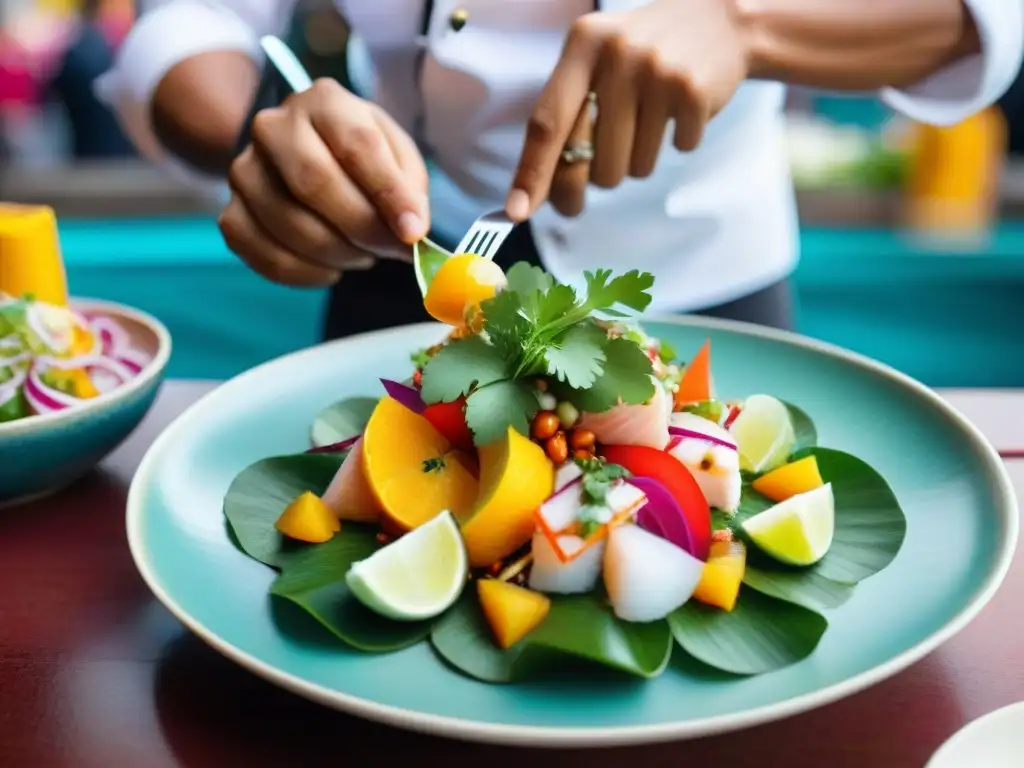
pixel 42 454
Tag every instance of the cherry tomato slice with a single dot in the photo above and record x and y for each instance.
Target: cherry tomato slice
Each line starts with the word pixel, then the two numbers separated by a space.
pixel 450 420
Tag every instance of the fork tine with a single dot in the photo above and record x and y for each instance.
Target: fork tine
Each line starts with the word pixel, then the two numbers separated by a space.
pixel 486 235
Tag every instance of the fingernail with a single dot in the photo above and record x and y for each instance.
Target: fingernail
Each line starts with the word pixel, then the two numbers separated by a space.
pixel 410 227
pixel 518 205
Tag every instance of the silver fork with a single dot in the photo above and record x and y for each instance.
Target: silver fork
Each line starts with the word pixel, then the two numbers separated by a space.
pixel 486 235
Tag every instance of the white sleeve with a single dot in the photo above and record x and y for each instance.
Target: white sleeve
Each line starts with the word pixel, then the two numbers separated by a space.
pixel 168 32
pixel 967 86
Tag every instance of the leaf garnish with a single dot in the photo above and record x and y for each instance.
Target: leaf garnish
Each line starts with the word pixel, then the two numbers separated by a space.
pixel 536 328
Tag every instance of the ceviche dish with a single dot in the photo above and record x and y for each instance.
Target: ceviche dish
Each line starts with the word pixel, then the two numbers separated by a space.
pixel 553 486
pixel 52 357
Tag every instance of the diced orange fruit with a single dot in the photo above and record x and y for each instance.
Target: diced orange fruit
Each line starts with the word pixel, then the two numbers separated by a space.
pixel 790 479
pixel 515 478
pixel 723 573
pixel 308 519
pixel 30 256
pixel 349 495
pixel 412 470
pixel 695 385
pixel 512 611
pixel 461 283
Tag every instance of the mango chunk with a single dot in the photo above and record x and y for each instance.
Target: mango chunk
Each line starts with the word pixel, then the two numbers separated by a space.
pixel 790 479
pixel 308 519
pixel 723 573
pixel 30 257
pixel 516 476
pixel 462 282
pixel 512 611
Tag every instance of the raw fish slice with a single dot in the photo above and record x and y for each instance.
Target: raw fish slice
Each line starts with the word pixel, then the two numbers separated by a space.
pixel 715 467
pixel 646 576
pixel 580 574
pixel 349 495
pixel 626 424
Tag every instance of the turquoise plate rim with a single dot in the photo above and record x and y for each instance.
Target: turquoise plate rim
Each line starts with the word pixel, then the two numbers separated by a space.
pixel 568 737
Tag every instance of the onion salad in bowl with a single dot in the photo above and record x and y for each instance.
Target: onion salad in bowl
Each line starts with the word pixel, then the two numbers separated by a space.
pixel 53 357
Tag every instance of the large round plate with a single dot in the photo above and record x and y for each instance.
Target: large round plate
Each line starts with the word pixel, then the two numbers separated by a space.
pixel 960 507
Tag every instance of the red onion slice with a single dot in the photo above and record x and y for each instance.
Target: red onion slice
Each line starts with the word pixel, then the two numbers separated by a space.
pixel 681 432
pixel 344 445
pixel 404 394
pixel 661 514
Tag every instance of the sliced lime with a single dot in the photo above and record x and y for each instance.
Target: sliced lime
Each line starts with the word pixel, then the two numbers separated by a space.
pixel 427 258
pixel 797 531
pixel 416 577
pixel 764 433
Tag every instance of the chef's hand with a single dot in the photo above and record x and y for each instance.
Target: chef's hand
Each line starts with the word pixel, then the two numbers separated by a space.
pixel 678 60
pixel 328 183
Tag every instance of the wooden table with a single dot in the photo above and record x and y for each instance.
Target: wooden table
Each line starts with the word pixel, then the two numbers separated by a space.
pixel 94 673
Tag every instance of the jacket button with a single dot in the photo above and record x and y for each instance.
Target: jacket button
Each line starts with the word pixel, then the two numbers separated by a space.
pixel 458 19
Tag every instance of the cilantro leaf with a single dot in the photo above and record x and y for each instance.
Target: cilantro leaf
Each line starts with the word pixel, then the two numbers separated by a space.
pixel 598 477
pixel 577 358
pixel 524 278
pixel 507 328
pixel 492 409
pixel 629 290
pixel 558 304
pixel 627 375
pixel 458 367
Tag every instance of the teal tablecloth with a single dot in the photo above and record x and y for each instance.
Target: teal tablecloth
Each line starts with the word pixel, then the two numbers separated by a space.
pixel 949 319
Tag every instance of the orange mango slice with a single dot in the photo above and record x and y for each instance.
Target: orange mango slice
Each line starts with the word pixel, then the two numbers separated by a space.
pixel 412 470
pixel 30 256
pixel 695 386
pixel 308 519
pixel 461 283
pixel 516 476
pixel 790 479
pixel 512 611
pixel 723 573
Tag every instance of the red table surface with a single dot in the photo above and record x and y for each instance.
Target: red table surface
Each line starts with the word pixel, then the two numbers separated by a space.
pixel 95 673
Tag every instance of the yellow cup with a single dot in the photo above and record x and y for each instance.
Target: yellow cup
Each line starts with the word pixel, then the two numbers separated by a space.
pixel 30 256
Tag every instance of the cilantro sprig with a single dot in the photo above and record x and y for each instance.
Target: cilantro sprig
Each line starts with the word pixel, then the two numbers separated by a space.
pixel 597 479
pixel 538 327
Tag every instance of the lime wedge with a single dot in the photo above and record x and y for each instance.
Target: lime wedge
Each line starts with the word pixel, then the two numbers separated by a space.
pixel 427 258
pixel 764 433
pixel 416 577
pixel 797 531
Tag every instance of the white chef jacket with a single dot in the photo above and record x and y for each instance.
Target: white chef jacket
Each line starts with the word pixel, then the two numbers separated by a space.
pixel 712 225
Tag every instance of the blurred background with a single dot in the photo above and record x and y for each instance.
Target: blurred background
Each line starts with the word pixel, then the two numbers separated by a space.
pixel 912 237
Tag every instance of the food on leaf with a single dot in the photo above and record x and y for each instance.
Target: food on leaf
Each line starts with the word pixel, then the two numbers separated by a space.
pixel 308 519
pixel 542 451
pixel 515 477
pixel 450 420
pixel 764 433
pixel 459 285
pixel 797 531
pixel 709 452
pixel 416 577
pixel 696 384
pixel 646 576
pixel 631 424
pixel 723 573
pixel 662 466
pixel 411 468
pixel 578 573
pixel 512 611
pixel 790 479
pixel 349 496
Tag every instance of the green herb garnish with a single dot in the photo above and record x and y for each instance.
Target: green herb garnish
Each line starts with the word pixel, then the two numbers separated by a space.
pixel 706 409
pixel 598 477
pixel 534 328
pixel 420 357
pixel 433 465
